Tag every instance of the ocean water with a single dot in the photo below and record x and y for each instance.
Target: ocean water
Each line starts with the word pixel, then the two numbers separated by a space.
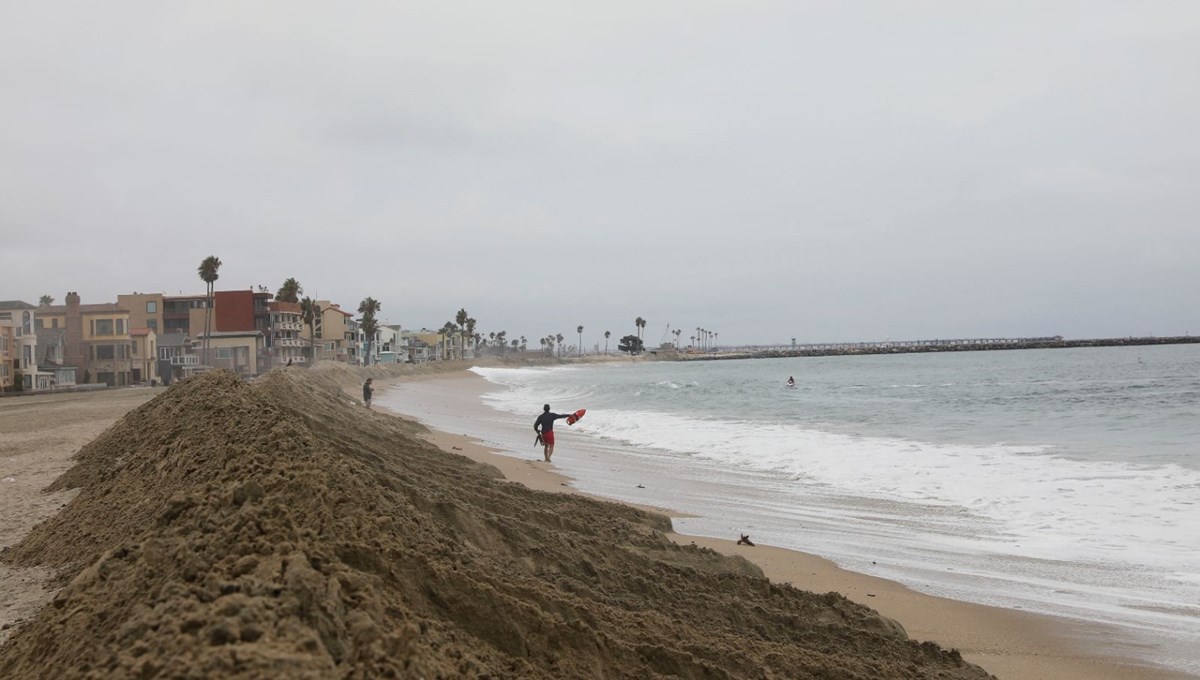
pixel 1064 482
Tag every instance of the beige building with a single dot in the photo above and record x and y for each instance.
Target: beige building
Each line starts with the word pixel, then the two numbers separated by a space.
pixel 8 341
pixel 145 310
pixel 22 362
pixel 143 355
pixel 236 351
pixel 330 329
pixel 98 343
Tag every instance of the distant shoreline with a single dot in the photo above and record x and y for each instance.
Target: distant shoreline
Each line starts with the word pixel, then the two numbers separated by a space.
pixel 923 346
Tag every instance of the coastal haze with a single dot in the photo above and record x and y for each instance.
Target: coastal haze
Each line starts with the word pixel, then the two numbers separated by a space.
pixel 766 171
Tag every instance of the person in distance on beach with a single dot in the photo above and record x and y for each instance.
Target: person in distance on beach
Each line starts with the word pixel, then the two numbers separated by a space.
pixel 544 426
pixel 367 390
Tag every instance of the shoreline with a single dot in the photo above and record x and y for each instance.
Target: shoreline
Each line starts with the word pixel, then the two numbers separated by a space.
pixel 43 434
pixel 1007 643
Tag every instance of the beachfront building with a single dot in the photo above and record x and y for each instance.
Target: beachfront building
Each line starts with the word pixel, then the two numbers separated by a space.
pixel 390 346
pixel 422 345
pixel 237 351
pixel 284 342
pixel 143 355
pixel 7 343
pixel 145 310
pixel 183 313
pixel 98 343
pixel 176 360
pixel 329 333
pixel 51 352
pixel 243 311
pixel 20 317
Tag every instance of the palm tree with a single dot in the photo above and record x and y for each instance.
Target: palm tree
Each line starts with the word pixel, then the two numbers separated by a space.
pixel 606 335
pixel 639 323
pixel 369 326
pixel 559 338
pixel 580 332
pixel 309 312
pixel 523 343
pixel 678 332
pixel 693 339
pixel 208 273
pixel 290 291
pixel 45 301
pixel 470 326
pixel 461 320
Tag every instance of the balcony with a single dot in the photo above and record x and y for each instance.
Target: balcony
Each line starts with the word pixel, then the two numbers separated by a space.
pixel 288 326
pixel 185 360
pixel 290 342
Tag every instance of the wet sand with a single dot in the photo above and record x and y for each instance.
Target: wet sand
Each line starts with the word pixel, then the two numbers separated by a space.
pixel 1007 643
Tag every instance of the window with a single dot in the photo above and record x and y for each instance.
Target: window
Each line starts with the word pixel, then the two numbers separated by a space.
pixel 151 307
pixel 121 330
pixel 26 322
pixel 152 324
pixel 133 348
pixel 39 324
pixel 102 327
pixel 54 323
pixel 28 356
pixel 103 352
pixel 224 352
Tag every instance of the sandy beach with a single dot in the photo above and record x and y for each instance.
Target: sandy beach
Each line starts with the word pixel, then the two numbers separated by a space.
pixel 1008 643
pixel 454 503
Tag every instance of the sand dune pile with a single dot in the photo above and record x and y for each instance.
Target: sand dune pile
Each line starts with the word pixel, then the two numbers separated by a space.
pixel 278 529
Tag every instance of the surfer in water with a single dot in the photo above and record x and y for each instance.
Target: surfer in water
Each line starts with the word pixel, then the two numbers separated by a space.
pixel 791 381
pixel 544 426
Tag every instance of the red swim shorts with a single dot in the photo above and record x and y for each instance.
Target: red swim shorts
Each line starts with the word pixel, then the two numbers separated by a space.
pixel 548 438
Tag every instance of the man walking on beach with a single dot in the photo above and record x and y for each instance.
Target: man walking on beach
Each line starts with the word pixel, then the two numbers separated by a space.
pixel 544 426
pixel 367 390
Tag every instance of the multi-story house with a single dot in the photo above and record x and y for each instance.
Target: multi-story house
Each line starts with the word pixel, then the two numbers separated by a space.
pixel 424 345
pixel 144 355
pixel 242 311
pixel 98 344
pixel 145 310
pixel 183 314
pixel 51 352
pixel 175 357
pixel 21 317
pixel 330 331
pixel 7 343
pixel 285 344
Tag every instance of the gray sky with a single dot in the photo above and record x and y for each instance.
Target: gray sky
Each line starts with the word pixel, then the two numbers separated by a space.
pixel 822 170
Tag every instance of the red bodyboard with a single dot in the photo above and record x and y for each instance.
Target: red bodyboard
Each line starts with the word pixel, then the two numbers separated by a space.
pixel 576 416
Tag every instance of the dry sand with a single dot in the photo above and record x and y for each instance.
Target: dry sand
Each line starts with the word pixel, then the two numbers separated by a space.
pixel 279 529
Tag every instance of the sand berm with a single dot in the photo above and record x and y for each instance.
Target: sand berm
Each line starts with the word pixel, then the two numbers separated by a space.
pixel 279 529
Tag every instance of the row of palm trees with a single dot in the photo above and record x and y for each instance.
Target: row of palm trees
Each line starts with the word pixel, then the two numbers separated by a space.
pixel 463 325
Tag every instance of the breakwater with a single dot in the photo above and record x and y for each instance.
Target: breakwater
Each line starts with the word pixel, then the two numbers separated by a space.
pixel 919 346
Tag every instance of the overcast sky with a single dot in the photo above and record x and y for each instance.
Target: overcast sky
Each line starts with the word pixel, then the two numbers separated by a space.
pixel 817 170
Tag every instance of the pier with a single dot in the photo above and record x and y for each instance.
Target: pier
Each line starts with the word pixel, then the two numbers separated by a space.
pixel 919 346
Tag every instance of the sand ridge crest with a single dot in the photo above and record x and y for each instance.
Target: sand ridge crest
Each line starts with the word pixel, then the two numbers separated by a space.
pixel 278 529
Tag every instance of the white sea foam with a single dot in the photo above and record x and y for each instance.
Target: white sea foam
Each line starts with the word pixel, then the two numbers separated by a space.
pixel 1021 525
